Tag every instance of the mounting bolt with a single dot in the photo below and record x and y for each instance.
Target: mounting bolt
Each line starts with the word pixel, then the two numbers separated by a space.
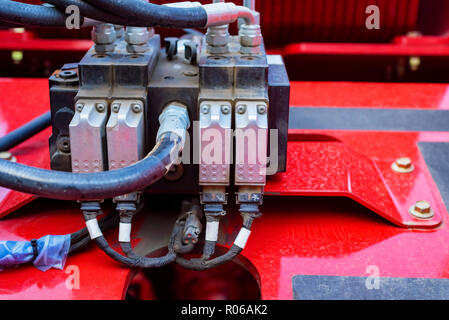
pixel 241 109
pixel 116 107
pixel 100 107
pixel 5 155
pixel 205 109
pixel 225 109
pixel 79 107
pixel 403 165
pixel 137 108
pixel 261 109
pixel 422 210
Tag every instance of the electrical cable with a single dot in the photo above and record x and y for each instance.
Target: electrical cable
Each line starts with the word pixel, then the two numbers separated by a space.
pixel 236 248
pixel 134 261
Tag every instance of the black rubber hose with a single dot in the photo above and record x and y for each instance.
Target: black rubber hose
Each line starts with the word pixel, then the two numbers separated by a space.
pixel 90 11
pixel 25 132
pixel 32 15
pixel 155 15
pixel 91 186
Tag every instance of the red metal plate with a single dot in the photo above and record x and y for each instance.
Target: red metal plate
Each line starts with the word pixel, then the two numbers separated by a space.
pixel 21 100
pixel 358 166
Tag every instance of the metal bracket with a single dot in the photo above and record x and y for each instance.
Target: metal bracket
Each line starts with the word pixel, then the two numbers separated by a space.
pixel 87 136
pixel 215 143
pixel 125 137
pixel 251 143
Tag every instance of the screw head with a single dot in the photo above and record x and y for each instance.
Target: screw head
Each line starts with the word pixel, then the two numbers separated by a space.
pixel 100 107
pixel 116 107
pixel 5 155
pixel 137 108
pixel 422 210
pixel 261 109
pixel 79 107
pixel 241 109
pixel 205 109
pixel 403 165
pixel 225 109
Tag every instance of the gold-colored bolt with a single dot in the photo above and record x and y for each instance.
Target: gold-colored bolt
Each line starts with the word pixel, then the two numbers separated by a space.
pixel 414 63
pixel 403 165
pixel 5 155
pixel 422 209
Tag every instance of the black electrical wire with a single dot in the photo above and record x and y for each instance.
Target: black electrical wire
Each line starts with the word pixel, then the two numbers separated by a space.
pixel 25 132
pixel 138 261
pixel 155 15
pixel 81 238
pixel 234 251
pixel 91 186
pixel 32 15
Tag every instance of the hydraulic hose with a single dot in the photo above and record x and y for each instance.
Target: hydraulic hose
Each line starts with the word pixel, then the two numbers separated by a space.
pixel 90 11
pixel 25 132
pixel 174 122
pixel 32 15
pixel 155 15
pixel 91 186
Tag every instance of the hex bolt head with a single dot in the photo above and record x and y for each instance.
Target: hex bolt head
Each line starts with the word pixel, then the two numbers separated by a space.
pixel 137 108
pixel 261 109
pixel 116 107
pixel 403 165
pixel 205 109
pixel 225 109
pixel 100 107
pixel 423 207
pixel 241 109
pixel 422 210
pixel 5 155
pixel 79 107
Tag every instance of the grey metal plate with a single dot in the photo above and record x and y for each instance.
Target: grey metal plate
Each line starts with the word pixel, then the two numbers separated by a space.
pixel 368 119
pixel 355 288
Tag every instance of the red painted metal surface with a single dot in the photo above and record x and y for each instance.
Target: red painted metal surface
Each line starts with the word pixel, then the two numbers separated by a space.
pixel 366 49
pixel 370 95
pixel 21 101
pixel 358 166
pixel 297 234
pixel 11 40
